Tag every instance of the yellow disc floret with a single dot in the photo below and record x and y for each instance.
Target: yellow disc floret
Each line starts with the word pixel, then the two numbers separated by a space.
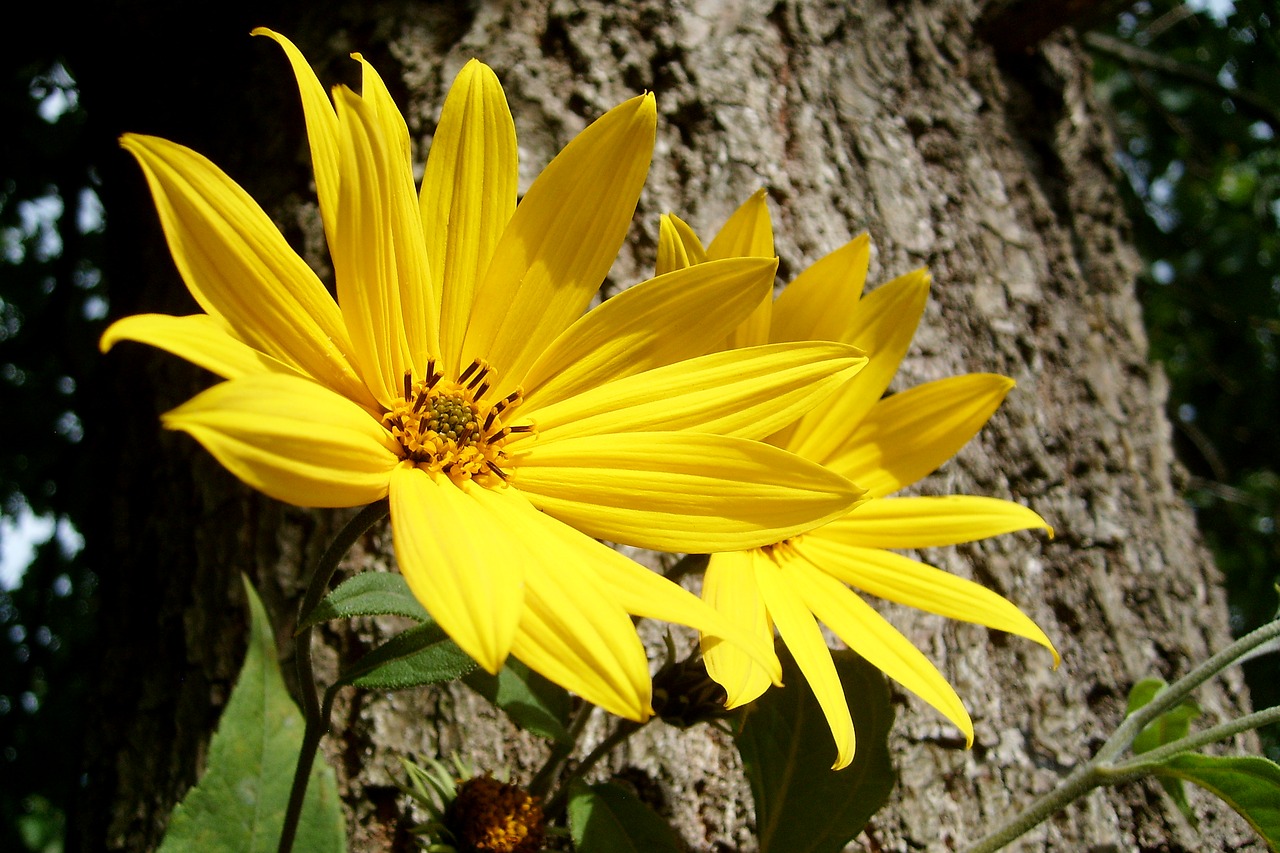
pixel 446 425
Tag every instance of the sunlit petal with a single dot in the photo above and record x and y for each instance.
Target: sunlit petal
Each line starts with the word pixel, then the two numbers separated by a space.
pixel 821 303
pixel 198 338
pixel 882 325
pixel 867 633
pixel 364 256
pixel 419 298
pixel 894 577
pixel 655 323
pixel 680 491
pixel 749 393
pixel 468 195
pixel 747 234
pixel 322 131
pixel 240 269
pixel 909 434
pixel 445 544
pixel 291 439
pixel 678 247
pixel 787 594
pixel 560 243
pixel 647 594
pixel 927 522
pixel 730 587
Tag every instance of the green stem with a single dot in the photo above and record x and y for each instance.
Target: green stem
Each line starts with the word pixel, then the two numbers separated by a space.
pixel 687 564
pixel 1171 695
pixel 1101 770
pixel 625 729
pixel 316 715
pixel 1141 765
pixel 560 751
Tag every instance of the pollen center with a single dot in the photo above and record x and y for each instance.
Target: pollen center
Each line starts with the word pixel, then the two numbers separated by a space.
pixel 449 426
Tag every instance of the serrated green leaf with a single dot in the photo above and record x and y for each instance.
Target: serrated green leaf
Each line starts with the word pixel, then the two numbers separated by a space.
pixel 607 818
pixel 1172 725
pixel 421 655
pixel 239 804
pixel 367 594
pixel 531 701
pixel 1249 784
pixel 802 805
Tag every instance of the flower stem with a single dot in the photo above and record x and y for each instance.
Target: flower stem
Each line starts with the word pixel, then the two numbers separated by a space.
pixel 315 712
pixel 625 729
pixel 560 751
pixel 1103 769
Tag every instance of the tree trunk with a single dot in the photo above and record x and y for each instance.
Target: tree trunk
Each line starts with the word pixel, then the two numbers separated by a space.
pixel 890 117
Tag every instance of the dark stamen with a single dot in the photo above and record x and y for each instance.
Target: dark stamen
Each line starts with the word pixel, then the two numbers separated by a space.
pixel 521 428
pixel 479 377
pixel 495 469
pixel 408 384
pixel 490 418
pixel 479 392
pixel 432 376
pixel 475 365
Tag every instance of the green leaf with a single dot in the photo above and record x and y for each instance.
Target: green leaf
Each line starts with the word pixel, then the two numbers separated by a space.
pixel 367 594
pixel 1249 784
pixel 531 701
pixel 239 804
pixel 802 805
pixel 608 818
pixel 1172 725
pixel 421 655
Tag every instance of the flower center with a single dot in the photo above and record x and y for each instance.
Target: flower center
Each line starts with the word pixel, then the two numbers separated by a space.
pixel 444 425
pixel 494 817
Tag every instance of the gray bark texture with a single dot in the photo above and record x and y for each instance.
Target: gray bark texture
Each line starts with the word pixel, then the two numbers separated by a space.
pixel 895 118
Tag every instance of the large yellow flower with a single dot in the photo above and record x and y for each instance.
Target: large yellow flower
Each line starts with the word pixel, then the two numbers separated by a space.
pixel 457 375
pixel 881 443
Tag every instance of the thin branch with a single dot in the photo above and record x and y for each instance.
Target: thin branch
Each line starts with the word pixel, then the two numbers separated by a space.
pixel 1249 101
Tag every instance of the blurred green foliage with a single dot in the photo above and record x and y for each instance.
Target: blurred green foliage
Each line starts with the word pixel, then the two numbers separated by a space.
pixel 1194 89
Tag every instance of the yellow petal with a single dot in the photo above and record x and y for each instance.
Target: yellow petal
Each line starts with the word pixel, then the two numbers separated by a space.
pixel 678 247
pixel 680 491
pixel 462 559
pixel 241 270
pixel 649 595
pixel 291 439
pixel 468 196
pixel 821 303
pixel 729 585
pixel 747 234
pixel 929 522
pixel 749 393
pixel 906 436
pixel 867 633
pixel 419 298
pixel 561 241
pixel 576 631
pixel 895 578
pixel 198 338
pixel 785 594
pixel 322 131
pixel 882 325
pixel 366 256
pixel 658 322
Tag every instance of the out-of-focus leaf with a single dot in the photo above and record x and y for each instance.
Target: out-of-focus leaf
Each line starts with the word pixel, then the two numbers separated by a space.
pixel 607 818
pixel 239 804
pixel 368 594
pixel 531 701
pixel 1172 725
pixel 421 655
pixel 802 805
pixel 1249 784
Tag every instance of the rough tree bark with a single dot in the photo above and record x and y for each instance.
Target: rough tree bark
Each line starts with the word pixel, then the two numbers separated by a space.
pixel 891 117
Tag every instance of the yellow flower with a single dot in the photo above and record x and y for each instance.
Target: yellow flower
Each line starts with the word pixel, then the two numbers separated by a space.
pixel 883 445
pixel 457 375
